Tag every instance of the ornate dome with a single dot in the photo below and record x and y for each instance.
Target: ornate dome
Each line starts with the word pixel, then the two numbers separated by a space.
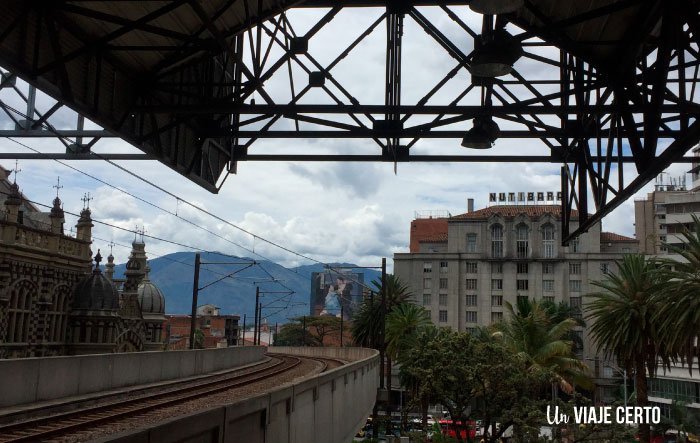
pixel 95 292
pixel 150 298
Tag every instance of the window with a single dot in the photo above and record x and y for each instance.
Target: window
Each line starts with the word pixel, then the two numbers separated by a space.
pixel 548 285
pixel 496 284
pixel 429 313
pixel 548 268
pixel 471 300
pixel 471 242
pixel 472 267
pixel 471 316
pixel 575 268
pixel 427 283
pixel 497 268
pixel 496 300
pixel 427 299
pixel 497 241
pixel 548 298
pixel 443 300
pixel 470 284
pixel 574 285
pixel 443 283
pixel 521 285
pixel 443 267
pixel 19 312
pixel 548 241
pixel 604 268
pixel 522 268
pixel 57 317
pixel 443 316
pixel 625 250
pixel 471 331
pixel 522 299
pixel 521 235
pixel 575 303
pixel 496 317
pixel 427 267
pixel 574 246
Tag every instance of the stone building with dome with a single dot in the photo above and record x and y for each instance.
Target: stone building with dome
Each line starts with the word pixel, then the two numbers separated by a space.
pixel 53 301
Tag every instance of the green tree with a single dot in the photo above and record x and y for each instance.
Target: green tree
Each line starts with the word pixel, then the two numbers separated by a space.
pixel 624 322
pixel 198 339
pixel 367 322
pixel 506 393
pixel 443 363
pixel 402 326
pixel 538 334
pixel 679 301
pixel 317 329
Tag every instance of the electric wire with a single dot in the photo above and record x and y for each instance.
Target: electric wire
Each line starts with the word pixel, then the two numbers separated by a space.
pixel 178 199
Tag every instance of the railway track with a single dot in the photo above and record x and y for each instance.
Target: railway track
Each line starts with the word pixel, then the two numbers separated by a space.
pixel 44 428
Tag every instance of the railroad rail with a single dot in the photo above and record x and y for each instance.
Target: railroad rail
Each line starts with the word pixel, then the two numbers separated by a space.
pixel 43 428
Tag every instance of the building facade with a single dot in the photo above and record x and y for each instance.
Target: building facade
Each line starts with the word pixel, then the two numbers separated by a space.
pixel 660 220
pixel 490 256
pixel 52 300
pixel 219 330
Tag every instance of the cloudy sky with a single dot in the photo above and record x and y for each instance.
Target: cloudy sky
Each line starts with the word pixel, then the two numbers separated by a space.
pixel 332 212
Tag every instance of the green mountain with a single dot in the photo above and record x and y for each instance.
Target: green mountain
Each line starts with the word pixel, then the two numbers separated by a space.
pixel 285 292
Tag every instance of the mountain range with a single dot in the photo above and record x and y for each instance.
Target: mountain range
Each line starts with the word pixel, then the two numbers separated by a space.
pixel 282 299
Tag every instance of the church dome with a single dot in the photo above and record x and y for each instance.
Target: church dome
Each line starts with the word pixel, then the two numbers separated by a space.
pixel 95 292
pixel 150 298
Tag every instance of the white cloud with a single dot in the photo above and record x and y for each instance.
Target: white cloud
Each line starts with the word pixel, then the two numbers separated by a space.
pixel 353 212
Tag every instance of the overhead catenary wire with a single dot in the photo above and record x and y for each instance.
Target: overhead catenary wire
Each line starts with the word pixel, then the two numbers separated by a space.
pixel 133 231
pixel 178 199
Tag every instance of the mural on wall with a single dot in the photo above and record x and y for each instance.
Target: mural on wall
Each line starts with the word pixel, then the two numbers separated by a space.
pixel 332 290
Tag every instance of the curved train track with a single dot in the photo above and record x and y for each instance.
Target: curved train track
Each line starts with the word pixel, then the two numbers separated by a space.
pixel 61 424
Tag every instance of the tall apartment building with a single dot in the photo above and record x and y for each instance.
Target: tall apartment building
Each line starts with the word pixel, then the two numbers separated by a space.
pixel 464 274
pixel 659 220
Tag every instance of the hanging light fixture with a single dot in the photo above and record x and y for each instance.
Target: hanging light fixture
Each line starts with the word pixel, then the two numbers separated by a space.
pixel 495 6
pixel 495 55
pixel 482 135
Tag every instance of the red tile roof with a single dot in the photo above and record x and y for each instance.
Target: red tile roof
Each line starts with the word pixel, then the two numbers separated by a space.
pixel 510 211
pixel 611 236
pixel 437 238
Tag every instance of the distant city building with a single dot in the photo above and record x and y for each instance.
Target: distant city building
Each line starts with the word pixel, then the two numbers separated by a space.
pixel 464 275
pixel 52 301
pixel 660 220
pixel 335 291
pixel 219 331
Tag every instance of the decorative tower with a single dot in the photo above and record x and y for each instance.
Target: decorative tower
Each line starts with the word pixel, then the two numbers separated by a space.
pixel 133 335
pixel 93 319
pixel 57 217
pixel 109 267
pixel 84 226
pixel 152 303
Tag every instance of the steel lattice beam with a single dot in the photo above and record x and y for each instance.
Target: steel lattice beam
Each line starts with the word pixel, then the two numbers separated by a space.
pixel 186 95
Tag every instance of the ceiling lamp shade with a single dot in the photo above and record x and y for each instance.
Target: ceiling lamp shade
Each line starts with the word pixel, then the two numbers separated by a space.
pixel 495 6
pixel 482 135
pixel 495 56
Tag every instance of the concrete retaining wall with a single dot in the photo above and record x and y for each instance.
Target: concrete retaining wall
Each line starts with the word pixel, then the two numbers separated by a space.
pixel 29 380
pixel 327 408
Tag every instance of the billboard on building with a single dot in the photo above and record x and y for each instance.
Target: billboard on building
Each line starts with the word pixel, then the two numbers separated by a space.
pixel 332 290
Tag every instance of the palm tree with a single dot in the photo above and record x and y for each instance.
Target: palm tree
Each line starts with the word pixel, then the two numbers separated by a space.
pixel 368 325
pixel 624 322
pixel 539 338
pixel 679 303
pixel 402 326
